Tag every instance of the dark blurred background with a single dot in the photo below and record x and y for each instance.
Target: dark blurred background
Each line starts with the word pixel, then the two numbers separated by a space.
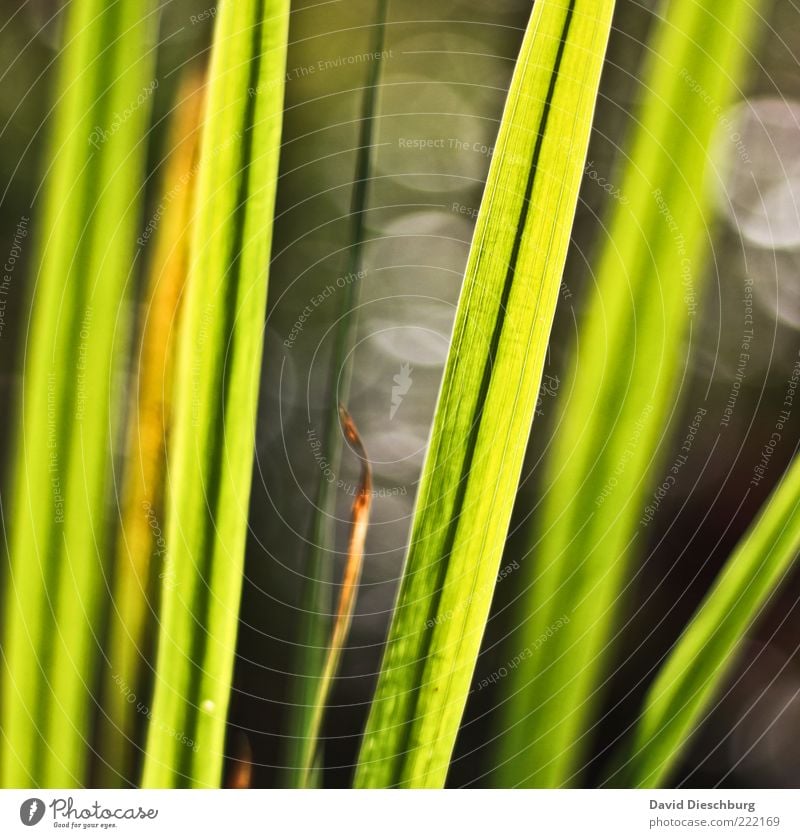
pixel 443 72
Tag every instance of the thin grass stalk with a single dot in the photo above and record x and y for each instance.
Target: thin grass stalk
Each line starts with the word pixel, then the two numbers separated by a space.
pixel 217 376
pixel 701 660
pixel 315 625
pixel 59 526
pixel 624 378
pixel 488 397
pixel 140 544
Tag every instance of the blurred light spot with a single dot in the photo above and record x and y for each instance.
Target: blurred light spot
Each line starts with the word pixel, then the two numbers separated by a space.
pixel 763 182
pixel 418 345
pixel 436 239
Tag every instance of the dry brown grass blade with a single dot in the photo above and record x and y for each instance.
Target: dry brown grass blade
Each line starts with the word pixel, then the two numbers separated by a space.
pixel 359 524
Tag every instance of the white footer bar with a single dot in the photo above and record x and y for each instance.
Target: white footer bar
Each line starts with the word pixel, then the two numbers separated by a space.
pixel 402 814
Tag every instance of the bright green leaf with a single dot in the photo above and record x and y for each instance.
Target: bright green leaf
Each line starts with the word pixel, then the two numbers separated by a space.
pixel 217 377
pixel 488 396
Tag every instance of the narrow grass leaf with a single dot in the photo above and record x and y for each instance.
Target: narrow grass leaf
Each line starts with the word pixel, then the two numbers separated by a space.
pixel 217 376
pixel 488 396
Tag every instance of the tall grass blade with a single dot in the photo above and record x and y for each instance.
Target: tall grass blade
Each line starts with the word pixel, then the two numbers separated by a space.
pixel 625 376
pixel 217 375
pixel 698 664
pixel 488 396
pixel 59 526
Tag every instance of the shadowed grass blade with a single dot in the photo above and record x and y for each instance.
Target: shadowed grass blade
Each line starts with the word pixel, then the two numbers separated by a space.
pixel 488 396
pixel 217 376
pixel 315 624
pixel 625 376
pixel 696 668
pixel 140 542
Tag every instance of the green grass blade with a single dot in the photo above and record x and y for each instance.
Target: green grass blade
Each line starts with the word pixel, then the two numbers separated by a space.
pixel 59 524
pixel 625 376
pixel 488 396
pixel 211 454
pixel 698 664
